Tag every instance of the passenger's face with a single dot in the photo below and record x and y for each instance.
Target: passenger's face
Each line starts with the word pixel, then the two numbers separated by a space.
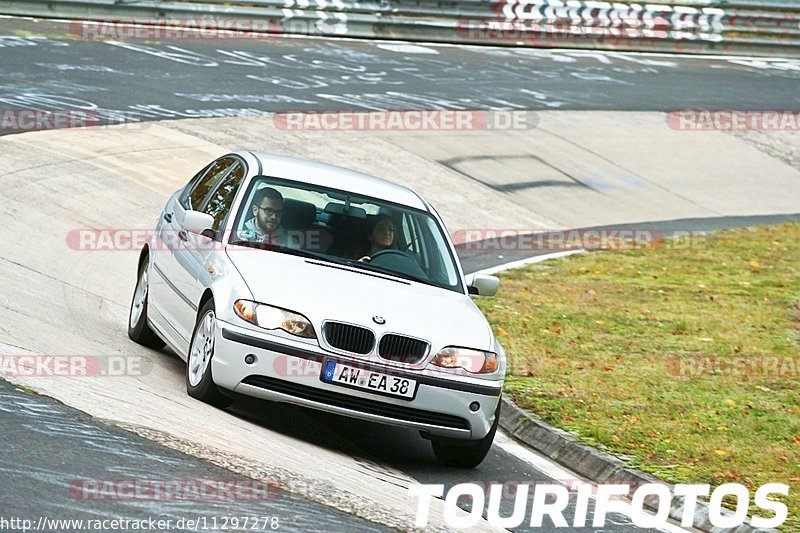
pixel 383 234
pixel 268 214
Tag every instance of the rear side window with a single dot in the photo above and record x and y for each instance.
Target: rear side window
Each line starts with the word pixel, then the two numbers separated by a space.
pixel 221 200
pixel 193 196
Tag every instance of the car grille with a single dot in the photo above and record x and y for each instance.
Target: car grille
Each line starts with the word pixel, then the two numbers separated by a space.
pixel 402 349
pixel 349 338
pixel 398 412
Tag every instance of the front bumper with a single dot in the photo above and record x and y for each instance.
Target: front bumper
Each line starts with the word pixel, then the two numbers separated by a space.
pixel 289 371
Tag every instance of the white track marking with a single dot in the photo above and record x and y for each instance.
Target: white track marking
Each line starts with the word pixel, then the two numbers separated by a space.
pixel 407 48
pixel 525 262
pixel 561 474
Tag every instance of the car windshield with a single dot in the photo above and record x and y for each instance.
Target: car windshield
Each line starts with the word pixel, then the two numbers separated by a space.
pixel 343 227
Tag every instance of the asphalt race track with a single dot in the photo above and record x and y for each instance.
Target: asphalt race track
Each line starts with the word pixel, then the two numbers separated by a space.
pixel 49 65
pixel 45 66
pixel 47 443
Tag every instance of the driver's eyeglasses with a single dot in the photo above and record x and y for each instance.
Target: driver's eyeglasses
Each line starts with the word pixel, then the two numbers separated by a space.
pixel 270 212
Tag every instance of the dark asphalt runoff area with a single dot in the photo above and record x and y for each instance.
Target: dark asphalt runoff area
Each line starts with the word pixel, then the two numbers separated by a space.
pixel 490 253
pixel 56 459
pixel 47 65
pixel 51 65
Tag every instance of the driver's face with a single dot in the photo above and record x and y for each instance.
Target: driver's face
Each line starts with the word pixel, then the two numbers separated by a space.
pixel 268 214
pixel 383 234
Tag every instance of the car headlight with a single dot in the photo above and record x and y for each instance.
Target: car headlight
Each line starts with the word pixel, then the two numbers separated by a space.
pixel 270 317
pixel 473 361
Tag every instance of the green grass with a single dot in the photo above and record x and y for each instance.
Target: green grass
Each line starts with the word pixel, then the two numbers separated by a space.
pixel 600 343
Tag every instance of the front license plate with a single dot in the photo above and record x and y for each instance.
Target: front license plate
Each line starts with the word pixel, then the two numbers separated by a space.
pixel 363 379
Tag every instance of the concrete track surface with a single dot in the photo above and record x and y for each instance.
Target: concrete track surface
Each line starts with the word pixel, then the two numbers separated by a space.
pixel 573 169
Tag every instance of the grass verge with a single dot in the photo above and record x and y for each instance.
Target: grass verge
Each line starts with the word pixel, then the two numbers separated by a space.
pixel 683 360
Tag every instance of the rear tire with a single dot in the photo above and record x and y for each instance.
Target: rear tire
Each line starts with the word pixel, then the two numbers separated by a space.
pixel 466 454
pixel 199 380
pixel 139 330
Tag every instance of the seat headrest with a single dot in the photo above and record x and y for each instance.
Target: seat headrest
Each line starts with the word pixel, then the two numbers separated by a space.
pixel 298 214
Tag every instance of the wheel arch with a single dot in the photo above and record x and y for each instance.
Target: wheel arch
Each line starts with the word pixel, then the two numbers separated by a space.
pixel 144 254
pixel 208 294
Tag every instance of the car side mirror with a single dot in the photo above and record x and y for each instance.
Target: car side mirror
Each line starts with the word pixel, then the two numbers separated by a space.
pixel 482 284
pixel 198 222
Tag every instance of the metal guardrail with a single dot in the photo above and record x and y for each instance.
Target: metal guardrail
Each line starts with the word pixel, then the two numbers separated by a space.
pixel 755 27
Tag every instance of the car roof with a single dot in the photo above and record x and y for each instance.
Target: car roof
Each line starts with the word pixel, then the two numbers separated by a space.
pixel 316 173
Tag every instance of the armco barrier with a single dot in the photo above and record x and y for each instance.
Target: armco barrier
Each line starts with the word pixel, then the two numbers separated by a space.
pixel 755 27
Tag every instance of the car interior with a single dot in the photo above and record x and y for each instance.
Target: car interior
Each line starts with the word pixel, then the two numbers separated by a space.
pixel 339 227
pixel 300 218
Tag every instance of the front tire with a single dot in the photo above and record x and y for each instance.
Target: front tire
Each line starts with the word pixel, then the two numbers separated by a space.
pixel 139 330
pixel 466 454
pixel 199 380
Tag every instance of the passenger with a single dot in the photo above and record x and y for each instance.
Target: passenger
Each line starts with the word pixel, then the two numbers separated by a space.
pixel 380 236
pixel 265 226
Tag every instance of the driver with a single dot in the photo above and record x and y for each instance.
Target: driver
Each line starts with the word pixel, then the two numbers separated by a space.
pixel 265 226
pixel 380 236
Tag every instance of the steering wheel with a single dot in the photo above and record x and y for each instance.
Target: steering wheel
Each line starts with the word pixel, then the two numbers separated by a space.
pixel 388 251
pixel 398 261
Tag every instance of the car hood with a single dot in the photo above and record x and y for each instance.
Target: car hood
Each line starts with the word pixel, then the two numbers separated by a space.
pixel 328 291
